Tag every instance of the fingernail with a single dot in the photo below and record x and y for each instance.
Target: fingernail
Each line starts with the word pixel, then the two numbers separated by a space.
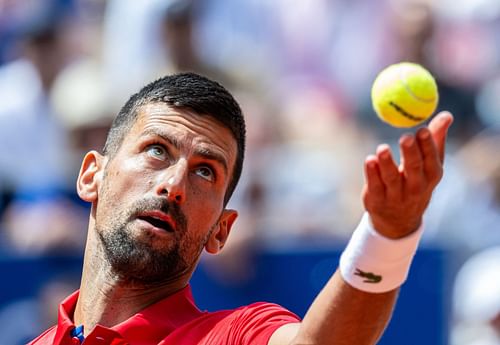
pixel 371 161
pixel 409 142
pixel 385 154
pixel 424 134
pixel 383 150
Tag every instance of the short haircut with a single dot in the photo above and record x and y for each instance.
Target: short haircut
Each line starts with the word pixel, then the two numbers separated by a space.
pixel 185 91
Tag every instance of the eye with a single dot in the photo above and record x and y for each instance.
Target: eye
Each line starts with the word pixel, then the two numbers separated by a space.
pixel 205 172
pixel 157 151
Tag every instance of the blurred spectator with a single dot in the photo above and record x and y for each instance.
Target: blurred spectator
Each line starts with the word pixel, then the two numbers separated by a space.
pixel 80 101
pixel 309 186
pixel 488 102
pixel 476 300
pixel 32 150
pixel 466 209
pixel 152 39
pixel 45 227
pixel 177 35
pixel 34 167
pixel 131 51
pixel 23 319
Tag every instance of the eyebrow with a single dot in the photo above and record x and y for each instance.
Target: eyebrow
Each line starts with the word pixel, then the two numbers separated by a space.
pixel 198 151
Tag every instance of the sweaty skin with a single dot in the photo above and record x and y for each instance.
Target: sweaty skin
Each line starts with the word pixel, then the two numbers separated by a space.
pixel 172 156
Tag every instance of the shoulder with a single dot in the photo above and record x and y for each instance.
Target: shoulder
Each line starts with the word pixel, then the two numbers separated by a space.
pixel 264 311
pixel 251 324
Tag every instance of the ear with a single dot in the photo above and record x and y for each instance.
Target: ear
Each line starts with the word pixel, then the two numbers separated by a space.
pixel 90 176
pixel 219 235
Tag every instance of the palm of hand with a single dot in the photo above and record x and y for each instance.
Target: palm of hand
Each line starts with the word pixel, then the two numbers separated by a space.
pixel 397 196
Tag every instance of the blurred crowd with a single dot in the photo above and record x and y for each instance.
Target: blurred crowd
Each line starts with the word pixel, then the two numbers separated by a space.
pixel 302 72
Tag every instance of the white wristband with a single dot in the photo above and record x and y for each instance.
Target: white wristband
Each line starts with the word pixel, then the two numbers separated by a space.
pixel 374 263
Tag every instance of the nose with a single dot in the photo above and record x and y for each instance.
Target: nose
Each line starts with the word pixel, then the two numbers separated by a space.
pixel 172 183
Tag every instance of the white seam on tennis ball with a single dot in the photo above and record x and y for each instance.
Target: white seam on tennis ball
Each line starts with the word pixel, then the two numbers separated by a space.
pixel 403 81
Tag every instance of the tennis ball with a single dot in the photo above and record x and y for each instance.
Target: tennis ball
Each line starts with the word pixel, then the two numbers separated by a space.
pixel 404 94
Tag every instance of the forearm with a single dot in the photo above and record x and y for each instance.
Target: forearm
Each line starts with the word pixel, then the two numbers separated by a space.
pixel 356 303
pixel 341 314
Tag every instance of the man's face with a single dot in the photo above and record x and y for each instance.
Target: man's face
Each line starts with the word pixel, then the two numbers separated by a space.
pixel 161 197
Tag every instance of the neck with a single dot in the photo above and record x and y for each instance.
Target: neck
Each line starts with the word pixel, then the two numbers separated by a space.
pixel 106 298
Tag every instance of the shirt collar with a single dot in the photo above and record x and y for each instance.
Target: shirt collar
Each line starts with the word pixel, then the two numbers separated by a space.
pixel 64 320
pixel 155 322
pixel 151 324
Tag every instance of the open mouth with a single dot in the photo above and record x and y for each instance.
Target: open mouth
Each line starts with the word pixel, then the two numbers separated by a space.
pixel 157 222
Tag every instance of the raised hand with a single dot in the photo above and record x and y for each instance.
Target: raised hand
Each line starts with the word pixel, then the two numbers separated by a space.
pixel 396 196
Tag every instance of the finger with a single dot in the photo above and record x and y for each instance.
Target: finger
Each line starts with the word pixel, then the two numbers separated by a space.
pixel 432 165
pixel 438 127
pixel 389 172
pixel 412 165
pixel 374 184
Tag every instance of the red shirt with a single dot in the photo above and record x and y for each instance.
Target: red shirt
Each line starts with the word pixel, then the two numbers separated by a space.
pixel 176 320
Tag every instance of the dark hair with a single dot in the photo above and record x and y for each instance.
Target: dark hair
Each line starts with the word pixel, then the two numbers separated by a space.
pixel 185 91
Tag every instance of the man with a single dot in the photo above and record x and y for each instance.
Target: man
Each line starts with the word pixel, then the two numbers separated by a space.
pixel 172 159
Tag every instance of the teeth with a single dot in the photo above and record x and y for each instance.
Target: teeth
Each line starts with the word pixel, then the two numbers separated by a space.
pixel 158 222
pixel 157 216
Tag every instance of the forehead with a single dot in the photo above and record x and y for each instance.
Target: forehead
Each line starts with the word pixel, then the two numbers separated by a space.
pixel 188 129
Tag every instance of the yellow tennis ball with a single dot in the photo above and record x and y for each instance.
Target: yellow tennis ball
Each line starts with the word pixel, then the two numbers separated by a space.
pixel 404 94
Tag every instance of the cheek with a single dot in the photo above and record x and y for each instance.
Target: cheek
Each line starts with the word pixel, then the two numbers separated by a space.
pixel 130 177
pixel 205 204
pixel 122 185
pixel 202 213
pixel 192 244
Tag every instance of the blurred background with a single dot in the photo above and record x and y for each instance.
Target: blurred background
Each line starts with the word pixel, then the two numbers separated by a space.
pixel 302 72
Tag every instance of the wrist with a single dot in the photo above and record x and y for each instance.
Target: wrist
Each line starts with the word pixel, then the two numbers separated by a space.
pixel 374 263
pixel 394 230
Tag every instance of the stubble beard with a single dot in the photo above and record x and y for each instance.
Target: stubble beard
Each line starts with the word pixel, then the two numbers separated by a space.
pixel 136 262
